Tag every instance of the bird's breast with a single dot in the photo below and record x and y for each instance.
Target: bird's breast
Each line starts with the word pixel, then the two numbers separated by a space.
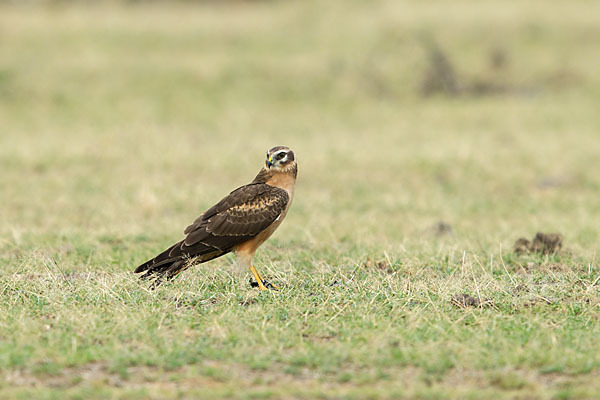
pixel 282 181
pixel 286 182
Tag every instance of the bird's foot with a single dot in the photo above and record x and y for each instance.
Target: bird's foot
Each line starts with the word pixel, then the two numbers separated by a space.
pixel 263 285
pixel 269 285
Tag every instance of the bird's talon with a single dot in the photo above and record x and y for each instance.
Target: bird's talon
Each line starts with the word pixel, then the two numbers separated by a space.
pixel 269 285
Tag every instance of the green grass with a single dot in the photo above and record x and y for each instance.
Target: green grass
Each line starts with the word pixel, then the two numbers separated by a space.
pixel 120 124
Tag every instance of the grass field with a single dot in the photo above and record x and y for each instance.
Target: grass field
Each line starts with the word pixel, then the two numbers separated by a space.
pixel 430 136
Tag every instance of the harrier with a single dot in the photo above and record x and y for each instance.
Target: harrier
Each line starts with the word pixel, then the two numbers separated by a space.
pixel 240 222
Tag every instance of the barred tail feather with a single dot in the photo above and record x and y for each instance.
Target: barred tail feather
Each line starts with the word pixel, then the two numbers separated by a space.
pixel 165 270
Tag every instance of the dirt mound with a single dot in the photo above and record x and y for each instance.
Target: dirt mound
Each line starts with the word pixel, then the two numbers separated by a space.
pixel 382 265
pixel 464 300
pixel 543 243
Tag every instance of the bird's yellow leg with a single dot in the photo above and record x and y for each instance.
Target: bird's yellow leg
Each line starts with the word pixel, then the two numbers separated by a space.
pixel 262 285
pixel 258 278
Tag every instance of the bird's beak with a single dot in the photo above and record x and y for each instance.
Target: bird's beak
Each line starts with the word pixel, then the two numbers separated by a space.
pixel 270 161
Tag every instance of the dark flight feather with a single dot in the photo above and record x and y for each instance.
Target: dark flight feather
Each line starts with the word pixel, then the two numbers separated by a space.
pixel 239 217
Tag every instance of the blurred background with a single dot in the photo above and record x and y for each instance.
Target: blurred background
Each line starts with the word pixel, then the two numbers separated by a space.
pixel 415 123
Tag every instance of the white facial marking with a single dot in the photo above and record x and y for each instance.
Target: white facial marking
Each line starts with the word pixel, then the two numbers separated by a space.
pixel 278 153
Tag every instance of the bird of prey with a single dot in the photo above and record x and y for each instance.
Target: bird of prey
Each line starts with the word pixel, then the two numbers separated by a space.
pixel 240 222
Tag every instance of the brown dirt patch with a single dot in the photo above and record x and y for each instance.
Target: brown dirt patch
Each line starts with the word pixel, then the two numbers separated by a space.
pixel 464 300
pixel 542 243
pixel 381 265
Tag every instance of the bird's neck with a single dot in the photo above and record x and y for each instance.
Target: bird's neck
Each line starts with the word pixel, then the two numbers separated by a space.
pixel 284 179
pixel 266 175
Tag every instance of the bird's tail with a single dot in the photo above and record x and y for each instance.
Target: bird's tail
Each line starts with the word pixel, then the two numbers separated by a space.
pixel 173 260
pixel 165 271
pixel 163 267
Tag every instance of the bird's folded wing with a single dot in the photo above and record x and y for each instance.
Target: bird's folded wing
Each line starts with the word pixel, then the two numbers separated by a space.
pixel 240 216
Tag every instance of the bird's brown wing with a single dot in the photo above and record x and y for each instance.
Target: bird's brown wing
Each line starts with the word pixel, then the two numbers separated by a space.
pixel 239 217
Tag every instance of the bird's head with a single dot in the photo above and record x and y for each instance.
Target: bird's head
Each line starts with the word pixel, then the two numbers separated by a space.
pixel 280 159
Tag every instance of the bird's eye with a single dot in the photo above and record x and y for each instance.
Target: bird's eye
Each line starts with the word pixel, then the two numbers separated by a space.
pixel 280 156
